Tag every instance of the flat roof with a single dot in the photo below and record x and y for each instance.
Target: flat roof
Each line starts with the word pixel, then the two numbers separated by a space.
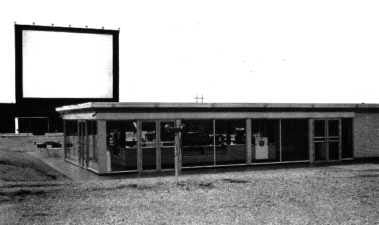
pixel 180 105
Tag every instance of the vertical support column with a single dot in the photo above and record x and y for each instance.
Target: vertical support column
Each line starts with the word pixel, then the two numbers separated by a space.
pixel 311 146
pixel 178 149
pixel 248 141
pixel 78 143
pixel 339 139
pixel 214 142
pixel 327 138
pixel 353 136
pixel 86 143
pixel 280 140
pixel 139 147
pixel 104 156
pixel 16 128
pixel 158 145
pixel 64 138
pixel 48 125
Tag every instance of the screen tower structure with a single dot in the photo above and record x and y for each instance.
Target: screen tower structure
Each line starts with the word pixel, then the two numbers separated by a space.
pixel 56 66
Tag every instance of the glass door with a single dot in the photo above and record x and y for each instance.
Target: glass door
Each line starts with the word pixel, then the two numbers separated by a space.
pixel 319 140
pixel 326 139
pixel 82 144
pixel 122 144
pixel 334 140
pixel 148 145
pixel 167 145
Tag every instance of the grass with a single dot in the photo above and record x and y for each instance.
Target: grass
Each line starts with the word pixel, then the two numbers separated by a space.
pixel 322 195
pixel 19 166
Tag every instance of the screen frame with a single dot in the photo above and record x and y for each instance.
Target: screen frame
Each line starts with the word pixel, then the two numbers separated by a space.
pixel 19 28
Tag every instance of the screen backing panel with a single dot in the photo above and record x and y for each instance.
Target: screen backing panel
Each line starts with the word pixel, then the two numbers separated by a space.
pixel 60 63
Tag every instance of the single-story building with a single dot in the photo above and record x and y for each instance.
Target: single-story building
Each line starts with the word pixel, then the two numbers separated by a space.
pixel 107 137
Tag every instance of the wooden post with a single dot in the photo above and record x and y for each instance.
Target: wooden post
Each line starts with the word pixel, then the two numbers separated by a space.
pixel 158 145
pixel 248 141
pixel 139 147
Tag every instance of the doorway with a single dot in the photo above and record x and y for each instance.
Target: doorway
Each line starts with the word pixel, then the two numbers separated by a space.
pixel 327 140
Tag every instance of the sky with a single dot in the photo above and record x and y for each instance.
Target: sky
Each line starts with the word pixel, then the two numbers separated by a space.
pixel 324 51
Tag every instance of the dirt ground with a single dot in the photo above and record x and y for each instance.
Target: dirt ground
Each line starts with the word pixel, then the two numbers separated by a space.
pixel 343 194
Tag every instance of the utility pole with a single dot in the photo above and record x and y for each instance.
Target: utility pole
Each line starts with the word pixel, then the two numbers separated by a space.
pixel 197 98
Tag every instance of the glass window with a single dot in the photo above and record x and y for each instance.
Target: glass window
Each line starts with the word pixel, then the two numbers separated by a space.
pixel 230 138
pixel 167 145
pixel 333 128
pixel 148 145
pixel 122 144
pixel 327 139
pixel 347 138
pixel 197 142
pixel 92 127
pixel 320 150
pixel 295 139
pixel 319 128
pixel 265 140
pixel 71 128
pixel 333 150
pixel 71 140
pixel 92 134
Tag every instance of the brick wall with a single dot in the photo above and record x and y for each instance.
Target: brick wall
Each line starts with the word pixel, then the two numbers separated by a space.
pixel 366 135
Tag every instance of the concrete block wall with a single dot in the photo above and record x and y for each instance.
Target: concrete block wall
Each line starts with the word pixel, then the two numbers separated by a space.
pixel 366 135
pixel 26 142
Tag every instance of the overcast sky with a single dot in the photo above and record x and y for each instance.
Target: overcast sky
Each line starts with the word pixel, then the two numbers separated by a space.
pixel 229 51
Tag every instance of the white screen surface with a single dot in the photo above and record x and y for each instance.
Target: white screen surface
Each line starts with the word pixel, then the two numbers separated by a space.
pixel 67 65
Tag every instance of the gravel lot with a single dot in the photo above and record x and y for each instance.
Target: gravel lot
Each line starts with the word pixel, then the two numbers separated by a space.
pixel 344 194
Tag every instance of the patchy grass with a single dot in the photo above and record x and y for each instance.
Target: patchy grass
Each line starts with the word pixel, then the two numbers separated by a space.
pixel 322 195
pixel 19 166
pixel 238 181
pixel 122 186
pixel 18 195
